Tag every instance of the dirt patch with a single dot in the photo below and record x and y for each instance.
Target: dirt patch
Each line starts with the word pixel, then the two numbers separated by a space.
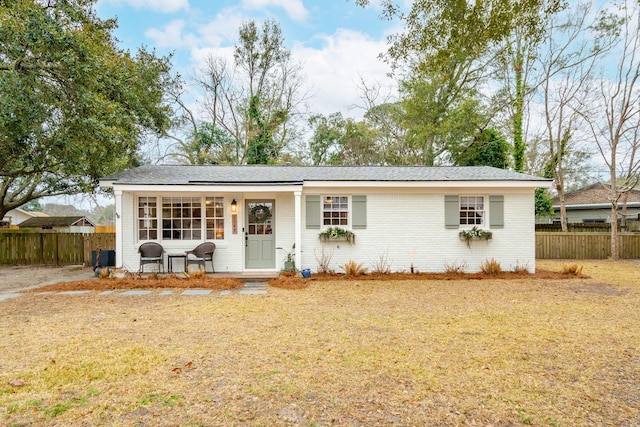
pixel 15 278
pixel 598 288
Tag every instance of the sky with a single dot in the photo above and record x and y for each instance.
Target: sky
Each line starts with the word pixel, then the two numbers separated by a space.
pixel 337 42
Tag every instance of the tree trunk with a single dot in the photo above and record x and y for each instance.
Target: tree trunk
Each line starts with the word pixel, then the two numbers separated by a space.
pixel 518 114
pixel 563 211
pixel 623 214
pixel 614 230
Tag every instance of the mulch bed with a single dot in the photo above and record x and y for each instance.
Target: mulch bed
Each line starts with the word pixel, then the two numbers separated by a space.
pixel 285 281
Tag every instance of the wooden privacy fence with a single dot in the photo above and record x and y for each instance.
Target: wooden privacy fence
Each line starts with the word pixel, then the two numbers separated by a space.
pixel 578 227
pixel 585 245
pixel 51 248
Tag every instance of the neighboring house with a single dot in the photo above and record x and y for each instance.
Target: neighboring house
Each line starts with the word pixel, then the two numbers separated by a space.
pixel 591 205
pixel 410 216
pixel 16 216
pixel 62 224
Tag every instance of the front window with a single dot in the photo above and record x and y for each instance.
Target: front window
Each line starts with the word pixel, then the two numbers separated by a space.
pixel 335 210
pixel 181 218
pixel 215 217
pixel 472 210
pixel 147 218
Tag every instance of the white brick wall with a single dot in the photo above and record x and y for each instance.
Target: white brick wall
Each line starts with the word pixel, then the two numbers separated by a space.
pixel 404 225
pixel 408 229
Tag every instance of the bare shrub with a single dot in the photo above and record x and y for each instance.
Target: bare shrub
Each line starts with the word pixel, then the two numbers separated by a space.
pixel 382 264
pixel 104 273
pixel 352 268
pixel 197 274
pixel 521 268
pixel 455 267
pixel 491 266
pixel 573 269
pixel 324 260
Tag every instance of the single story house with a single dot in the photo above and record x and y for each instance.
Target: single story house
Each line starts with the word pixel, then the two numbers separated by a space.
pixel 591 205
pixel 62 224
pixel 17 215
pixel 409 216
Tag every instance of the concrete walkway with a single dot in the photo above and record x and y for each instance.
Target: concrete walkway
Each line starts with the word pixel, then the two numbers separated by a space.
pixel 249 288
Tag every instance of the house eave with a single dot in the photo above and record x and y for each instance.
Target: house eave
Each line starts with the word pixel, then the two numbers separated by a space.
pixel 423 184
pixel 200 186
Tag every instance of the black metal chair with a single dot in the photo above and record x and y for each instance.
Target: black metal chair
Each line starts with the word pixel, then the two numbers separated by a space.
pixel 151 253
pixel 201 254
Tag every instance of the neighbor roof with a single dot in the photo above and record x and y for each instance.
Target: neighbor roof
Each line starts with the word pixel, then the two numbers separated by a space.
pixel 286 175
pixel 594 194
pixel 54 221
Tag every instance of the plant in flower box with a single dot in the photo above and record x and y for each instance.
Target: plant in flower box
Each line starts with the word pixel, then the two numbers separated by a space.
pixel 475 233
pixel 337 233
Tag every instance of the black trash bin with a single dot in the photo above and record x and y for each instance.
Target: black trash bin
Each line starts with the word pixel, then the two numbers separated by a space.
pixel 107 258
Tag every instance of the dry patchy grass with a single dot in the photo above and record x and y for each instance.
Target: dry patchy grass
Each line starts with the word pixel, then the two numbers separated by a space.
pixel 530 350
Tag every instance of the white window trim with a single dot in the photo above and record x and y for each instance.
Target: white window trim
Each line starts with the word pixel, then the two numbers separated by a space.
pixel 174 242
pixel 349 211
pixel 485 210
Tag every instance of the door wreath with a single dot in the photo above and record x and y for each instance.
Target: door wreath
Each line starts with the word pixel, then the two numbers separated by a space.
pixel 257 210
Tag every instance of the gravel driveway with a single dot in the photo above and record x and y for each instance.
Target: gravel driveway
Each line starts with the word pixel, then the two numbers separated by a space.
pixel 16 278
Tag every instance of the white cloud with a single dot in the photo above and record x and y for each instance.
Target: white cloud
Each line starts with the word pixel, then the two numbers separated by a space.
pixel 334 71
pixel 170 36
pixel 332 68
pixel 294 8
pixel 164 6
pixel 223 28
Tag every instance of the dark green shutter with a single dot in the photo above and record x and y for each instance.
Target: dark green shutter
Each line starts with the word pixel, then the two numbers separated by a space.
pixel 496 211
pixel 359 212
pixel 312 211
pixel 451 211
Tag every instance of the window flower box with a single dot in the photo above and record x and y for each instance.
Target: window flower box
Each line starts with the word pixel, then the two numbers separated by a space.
pixel 337 234
pixel 475 233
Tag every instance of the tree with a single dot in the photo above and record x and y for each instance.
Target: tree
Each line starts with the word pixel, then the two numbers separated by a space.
pixel 73 107
pixel 440 28
pixel 327 135
pixel 256 100
pixel 340 141
pixel 612 113
pixel 567 57
pixel 451 47
pixel 439 116
pixel 488 148
pixel 515 59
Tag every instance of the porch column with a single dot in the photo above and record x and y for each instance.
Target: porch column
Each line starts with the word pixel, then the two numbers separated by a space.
pixel 298 227
pixel 118 220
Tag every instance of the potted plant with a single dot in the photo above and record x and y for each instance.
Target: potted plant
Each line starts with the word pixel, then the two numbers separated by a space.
pixel 337 233
pixel 290 262
pixel 475 233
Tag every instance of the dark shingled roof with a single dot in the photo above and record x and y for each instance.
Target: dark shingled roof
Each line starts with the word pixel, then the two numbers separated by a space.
pixel 285 175
pixel 594 194
pixel 53 221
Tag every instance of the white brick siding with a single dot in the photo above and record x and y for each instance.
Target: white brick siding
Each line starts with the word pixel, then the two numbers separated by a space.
pixel 407 226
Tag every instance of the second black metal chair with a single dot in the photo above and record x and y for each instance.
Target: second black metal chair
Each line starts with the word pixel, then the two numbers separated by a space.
pixel 201 254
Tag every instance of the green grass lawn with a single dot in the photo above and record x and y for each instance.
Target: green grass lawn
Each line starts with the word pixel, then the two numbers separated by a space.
pixel 357 353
